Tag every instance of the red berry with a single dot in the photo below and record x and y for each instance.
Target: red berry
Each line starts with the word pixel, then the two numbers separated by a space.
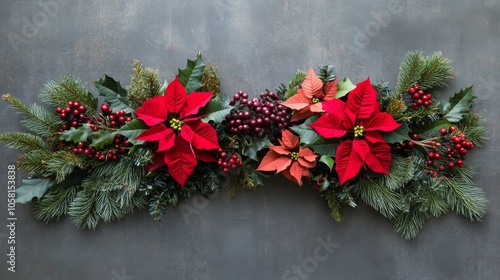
pixel 225 169
pixel 430 162
pixel 82 109
pixel 412 90
pixel 63 116
pixel 452 128
pixel 59 110
pixel 443 131
pixel 70 103
pixel 416 86
pixel 451 164
pixel 414 136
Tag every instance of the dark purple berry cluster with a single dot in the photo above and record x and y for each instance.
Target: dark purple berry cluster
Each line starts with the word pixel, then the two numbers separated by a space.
pixel 260 117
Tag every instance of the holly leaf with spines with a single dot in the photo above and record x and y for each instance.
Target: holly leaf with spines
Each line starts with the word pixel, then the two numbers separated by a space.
pixel 191 76
pixel 255 146
pixel 114 94
pixel 76 135
pixel 102 138
pixel 397 136
pixel 458 105
pixel 32 188
pixel 215 110
pixel 133 129
pixel 344 87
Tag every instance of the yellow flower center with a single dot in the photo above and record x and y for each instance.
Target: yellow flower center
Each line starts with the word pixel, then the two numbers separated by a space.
pixel 175 124
pixel 359 130
pixel 294 156
pixel 314 100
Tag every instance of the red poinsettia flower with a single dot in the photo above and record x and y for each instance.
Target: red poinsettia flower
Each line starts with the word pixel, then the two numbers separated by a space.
pixel 360 117
pixel 289 158
pixel 310 96
pixel 181 135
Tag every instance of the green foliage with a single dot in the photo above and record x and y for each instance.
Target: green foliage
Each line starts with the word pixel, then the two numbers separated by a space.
pixel 34 162
pixel 336 206
pixel 459 105
pixel 102 138
pixel 252 147
pixel 306 133
pixel 32 188
pixel 211 80
pixel 375 193
pixel 35 118
pixel 474 127
pixel 144 84
pixel 291 87
pixel 344 87
pixel 62 163
pixel 409 223
pixel 76 135
pixel 114 94
pixel 410 71
pixel 55 202
pixel 326 73
pixel 133 129
pixel 23 141
pixel 465 197
pixel 59 93
pixel 397 136
pixel 328 161
pixel 215 110
pixel 191 76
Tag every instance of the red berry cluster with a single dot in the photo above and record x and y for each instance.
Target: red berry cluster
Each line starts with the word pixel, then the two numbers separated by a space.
pixel 73 115
pixel 116 119
pixel 455 147
pixel 258 116
pixel 120 144
pixel 420 97
pixel 228 162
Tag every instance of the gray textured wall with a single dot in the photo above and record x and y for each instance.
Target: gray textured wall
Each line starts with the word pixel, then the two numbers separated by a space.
pixel 258 44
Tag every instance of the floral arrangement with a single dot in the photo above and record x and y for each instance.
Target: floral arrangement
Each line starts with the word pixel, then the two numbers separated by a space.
pixel 401 151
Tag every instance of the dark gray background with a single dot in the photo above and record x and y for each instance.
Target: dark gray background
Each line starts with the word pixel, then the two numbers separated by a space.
pixel 257 45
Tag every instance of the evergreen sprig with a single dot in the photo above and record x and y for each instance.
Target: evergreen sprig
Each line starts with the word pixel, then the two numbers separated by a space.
pixel 144 84
pixel 23 141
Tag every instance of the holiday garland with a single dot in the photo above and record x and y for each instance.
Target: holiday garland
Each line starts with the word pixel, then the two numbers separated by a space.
pixel 401 151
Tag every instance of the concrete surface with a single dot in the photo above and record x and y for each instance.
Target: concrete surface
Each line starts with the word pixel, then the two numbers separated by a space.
pixel 273 232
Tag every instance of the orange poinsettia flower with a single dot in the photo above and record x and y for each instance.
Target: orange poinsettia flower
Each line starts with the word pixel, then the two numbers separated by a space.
pixel 309 96
pixel 289 158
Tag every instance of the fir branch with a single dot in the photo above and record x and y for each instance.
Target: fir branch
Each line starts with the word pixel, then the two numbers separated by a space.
pixel 474 127
pixel 465 198
pixel 34 162
pixel 410 71
pixel 23 141
pixel 63 163
pixel 211 80
pixel 336 206
pixel 436 71
pixel 374 192
pixel 409 223
pixel 144 84
pixel 35 118
pixel 434 200
pixel 82 209
pixel 55 203
pixel 59 93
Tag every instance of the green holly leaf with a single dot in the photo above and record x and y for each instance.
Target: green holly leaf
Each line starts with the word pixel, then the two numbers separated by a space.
pixel 133 129
pixel 306 133
pixel 327 147
pixel 114 94
pixel 76 135
pixel 255 146
pixel 102 138
pixel 397 136
pixel 328 161
pixel 32 188
pixel 190 77
pixel 432 129
pixel 344 87
pixel 458 105
pixel 215 110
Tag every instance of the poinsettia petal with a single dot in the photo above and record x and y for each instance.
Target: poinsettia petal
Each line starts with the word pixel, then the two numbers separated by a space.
pixel 317 107
pixel 329 126
pixel 308 155
pixel 194 101
pixel 347 161
pixel 361 147
pixel 374 137
pixel 379 158
pixel 268 163
pixel 204 155
pixel 330 90
pixel 296 170
pixel 306 163
pixel 180 160
pixel 205 136
pixel 362 101
pixel 334 106
pixel 290 140
pixel 280 150
pixel 158 161
pixel 382 121
pixel 187 133
pixel 166 143
pixel 153 111
pixel 175 96
pixel 155 133
pixel 297 101
pixel 289 176
pixel 302 114
pixel 312 85
pixel 282 163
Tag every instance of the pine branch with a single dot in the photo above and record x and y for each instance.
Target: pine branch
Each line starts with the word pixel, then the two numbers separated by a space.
pixel 474 127
pixel 23 141
pixel 466 198
pixel 374 192
pixel 34 162
pixel 436 71
pixel 82 209
pixel 211 80
pixel 35 118
pixel 409 223
pixel 59 93
pixel 63 163
pixel 55 203
pixel 144 84
pixel 410 71
pixel 336 206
